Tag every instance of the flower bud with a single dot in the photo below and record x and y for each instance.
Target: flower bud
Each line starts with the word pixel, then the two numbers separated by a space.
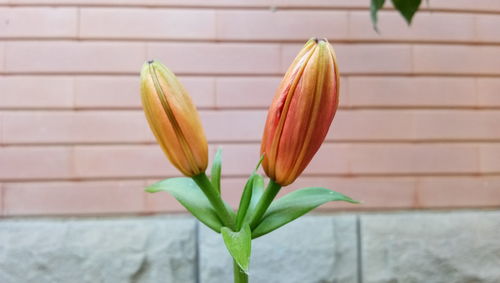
pixel 173 119
pixel 301 113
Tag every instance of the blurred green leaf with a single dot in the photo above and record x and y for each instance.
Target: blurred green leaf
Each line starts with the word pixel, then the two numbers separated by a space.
pixel 257 191
pixel 294 205
pixel 374 7
pixel 407 8
pixel 215 173
pixel 191 197
pixel 239 245
pixel 246 197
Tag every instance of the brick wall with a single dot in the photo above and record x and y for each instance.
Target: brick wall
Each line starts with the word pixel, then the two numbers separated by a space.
pixel 419 124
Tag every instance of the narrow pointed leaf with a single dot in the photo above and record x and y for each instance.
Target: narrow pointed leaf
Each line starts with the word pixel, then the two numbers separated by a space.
pixel 191 197
pixel 239 245
pixel 375 6
pixel 245 201
pixel 215 173
pixel 257 191
pixel 407 8
pixel 294 205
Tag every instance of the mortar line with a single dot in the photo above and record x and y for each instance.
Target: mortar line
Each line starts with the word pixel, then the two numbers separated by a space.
pixel 359 250
pixel 197 253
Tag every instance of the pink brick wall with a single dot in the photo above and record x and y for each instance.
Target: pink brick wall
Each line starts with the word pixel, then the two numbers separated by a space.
pixel 419 124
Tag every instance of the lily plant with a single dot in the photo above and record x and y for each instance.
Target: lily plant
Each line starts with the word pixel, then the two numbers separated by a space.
pixel 297 123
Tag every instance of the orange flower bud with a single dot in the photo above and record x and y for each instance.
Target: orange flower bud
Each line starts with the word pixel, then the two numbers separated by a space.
pixel 301 113
pixel 173 119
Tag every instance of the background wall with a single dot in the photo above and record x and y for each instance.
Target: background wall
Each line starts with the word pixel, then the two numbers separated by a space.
pixel 419 124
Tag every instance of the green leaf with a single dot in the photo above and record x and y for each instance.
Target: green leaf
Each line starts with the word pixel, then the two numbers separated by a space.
pixel 191 197
pixel 257 191
pixel 239 245
pixel 246 197
pixel 407 8
pixel 374 7
pixel 259 163
pixel 215 173
pixel 294 205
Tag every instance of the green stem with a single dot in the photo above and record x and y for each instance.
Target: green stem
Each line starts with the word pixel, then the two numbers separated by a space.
pixel 265 201
pixel 239 275
pixel 220 208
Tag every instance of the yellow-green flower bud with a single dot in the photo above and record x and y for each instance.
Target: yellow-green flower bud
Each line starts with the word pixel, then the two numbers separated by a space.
pixel 173 119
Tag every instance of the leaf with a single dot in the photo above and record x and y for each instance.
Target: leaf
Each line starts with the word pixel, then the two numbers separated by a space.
pixel 294 205
pixel 259 163
pixel 374 7
pixel 407 8
pixel 215 173
pixel 246 197
pixel 257 191
pixel 239 245
pixel 191 197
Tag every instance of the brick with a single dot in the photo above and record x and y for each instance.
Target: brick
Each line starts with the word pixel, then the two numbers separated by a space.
pixel 457 125
pixel 235 126
pixel 1 200
pixel 255 92
pixel 374 192
pixel 368 159
pixel 23 22
pixel 413 159
pixel 488 90
pixel 478 5
pixel 365 125
pixel 246 92
pixel 161 202
pixel 2 57
pixel 218 58
pixel 484 30
pixel 240 159
pixel 34 92
pixel 201 90
pixel 424 27
pixel 107 92
pixel 456 59
pixel 122 161
pixel 372 125
pixel 28 163
pixel 489 155
pixel 147 23
pixel 75 127
pixel 58 198
pixel 456 192
pixel 412 91
pixel 1 129
pixel 280 25
pixel 213 3
pixel 362 58
pixel 74 57
pixel 123 92
pixel 371 58
pixel 322 3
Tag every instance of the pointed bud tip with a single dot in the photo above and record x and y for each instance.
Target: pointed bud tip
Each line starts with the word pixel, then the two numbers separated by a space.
pixel 319 40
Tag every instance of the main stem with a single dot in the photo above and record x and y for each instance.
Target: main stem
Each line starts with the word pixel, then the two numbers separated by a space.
pixel 265 201
pixel 215 199
pixel 239 275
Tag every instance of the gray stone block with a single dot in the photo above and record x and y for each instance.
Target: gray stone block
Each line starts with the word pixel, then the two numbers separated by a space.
pixel 112 250
pixel 311 249
pixel 431 247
